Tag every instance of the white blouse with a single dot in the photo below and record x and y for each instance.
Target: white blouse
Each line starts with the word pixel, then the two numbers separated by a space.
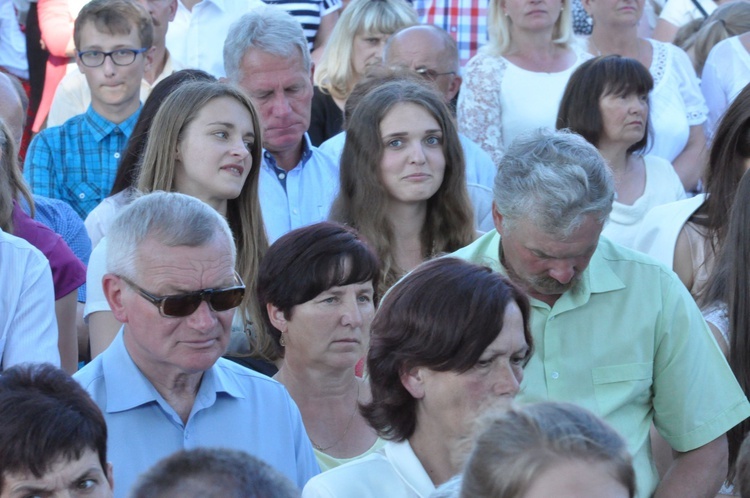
pixel 676 100
pixel 725 74
pixel 499 100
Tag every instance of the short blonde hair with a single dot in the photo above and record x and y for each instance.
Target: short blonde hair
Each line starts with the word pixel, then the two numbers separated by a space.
pixel 498 28
pixel 335 72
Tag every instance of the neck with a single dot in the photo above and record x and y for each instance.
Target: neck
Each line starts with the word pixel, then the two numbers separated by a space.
pixel 616 156
pixel 435 451
pixel 189 4
pixel 622 40
pixel 537 45
pixel 289 159
pixel 157 66
pixel 305 382
pixel 119 112
pixel 407 222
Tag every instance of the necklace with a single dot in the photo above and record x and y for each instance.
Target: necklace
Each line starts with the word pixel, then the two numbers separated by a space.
pixel 346 431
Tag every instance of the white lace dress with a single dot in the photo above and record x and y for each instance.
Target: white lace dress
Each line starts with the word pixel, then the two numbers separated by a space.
pixel 499 100
pixel 676 100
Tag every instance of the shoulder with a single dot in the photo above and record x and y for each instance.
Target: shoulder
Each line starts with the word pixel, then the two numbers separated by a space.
pixel 15 249
pixel 484 250
pixel 250 381
pixel 351 479
pixel 485 63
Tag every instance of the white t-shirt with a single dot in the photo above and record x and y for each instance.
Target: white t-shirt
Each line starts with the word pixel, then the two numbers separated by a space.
pixel 680 12
pixel 662 186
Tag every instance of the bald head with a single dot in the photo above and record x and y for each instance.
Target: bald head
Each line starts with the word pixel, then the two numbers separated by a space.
pixel 11 108
pixel 430 51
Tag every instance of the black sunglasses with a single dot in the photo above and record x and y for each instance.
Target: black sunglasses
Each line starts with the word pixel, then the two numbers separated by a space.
pixel 182 305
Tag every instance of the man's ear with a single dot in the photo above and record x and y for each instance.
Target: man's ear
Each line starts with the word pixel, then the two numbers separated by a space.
pixel 413 381
pixel 497 218
pixel 277 318
pixel 148 58
pixel 114 287
pixel 172 10
pixel 454 87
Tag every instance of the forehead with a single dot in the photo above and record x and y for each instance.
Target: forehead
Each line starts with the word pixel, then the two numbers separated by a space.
pixel 415 47
pixel 261 70
pixel 61 472
pixel 91 36
pixel 407 116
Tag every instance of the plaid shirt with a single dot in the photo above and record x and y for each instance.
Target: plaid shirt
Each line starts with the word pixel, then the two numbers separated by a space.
pixel 77 161
pixel 465 20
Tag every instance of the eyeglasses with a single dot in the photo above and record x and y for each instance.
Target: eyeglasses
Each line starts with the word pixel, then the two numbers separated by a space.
pixel 182 305
pixel 120 57
pixel 430 74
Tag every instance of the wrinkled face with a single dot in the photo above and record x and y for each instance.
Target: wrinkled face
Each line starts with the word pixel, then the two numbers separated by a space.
pixel 577 479
pixel 213 155
pixel 162 13
pixel 113 87
pixel 450 401
pixel 532 15
pixel 624 118
pixel 413 162
pixel 543 264
pixel 331 329
pixel 421 49
pixel 64 479
pixel 185 345
pixel 367 51
pixel 282 91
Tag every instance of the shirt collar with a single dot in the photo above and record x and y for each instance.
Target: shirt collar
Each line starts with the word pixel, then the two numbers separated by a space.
pixel 408 467
pixel 101 127
pixel 128 388
pixel 307 152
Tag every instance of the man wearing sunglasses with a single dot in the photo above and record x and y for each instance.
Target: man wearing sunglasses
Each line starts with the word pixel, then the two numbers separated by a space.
pixel 162 384
pixel 77 161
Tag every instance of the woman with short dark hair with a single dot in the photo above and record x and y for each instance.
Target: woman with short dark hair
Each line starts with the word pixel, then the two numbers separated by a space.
pixel 449 338
pixel 317 288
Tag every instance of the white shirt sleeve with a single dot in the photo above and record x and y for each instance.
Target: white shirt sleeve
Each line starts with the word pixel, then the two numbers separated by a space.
pixel 95 299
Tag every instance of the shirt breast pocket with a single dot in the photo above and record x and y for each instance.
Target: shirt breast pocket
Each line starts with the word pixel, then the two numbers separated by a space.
pixel 84 196
pixel 619 386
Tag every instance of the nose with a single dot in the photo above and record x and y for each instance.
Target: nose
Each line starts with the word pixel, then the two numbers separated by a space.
pixel 108 66
pixel 239 149
pixel 352 315
pixel 202 319
pixel 416 154
pixel 280 106
pixel 563 272
pixel 508 381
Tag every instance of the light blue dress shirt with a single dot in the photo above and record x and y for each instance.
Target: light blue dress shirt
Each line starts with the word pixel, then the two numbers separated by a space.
pixel 234 408
pixel 300 197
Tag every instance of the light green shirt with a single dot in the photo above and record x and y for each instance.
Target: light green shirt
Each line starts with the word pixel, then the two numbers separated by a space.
pixel 327 462
pixel 629 344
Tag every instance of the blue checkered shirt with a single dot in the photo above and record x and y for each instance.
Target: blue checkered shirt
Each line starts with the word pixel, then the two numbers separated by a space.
pixel 77 161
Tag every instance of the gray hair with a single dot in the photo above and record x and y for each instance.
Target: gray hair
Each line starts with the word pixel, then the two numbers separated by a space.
pixel 268 29
pixel 553 179
pixel 213 472
pixel 171 218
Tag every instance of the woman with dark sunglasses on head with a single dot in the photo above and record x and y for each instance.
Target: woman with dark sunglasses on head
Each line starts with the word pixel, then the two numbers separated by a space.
pixel 205 142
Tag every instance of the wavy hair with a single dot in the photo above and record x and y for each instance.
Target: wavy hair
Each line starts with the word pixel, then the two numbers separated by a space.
pixel 498 28
pixel 335 72
pixel 243 213
pixel 730 19
pixel 362 201
pixel 726 165
pixel 729 283
pixel 12 184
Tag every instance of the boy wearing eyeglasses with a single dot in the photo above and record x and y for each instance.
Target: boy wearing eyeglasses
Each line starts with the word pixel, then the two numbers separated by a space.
pixel 77 161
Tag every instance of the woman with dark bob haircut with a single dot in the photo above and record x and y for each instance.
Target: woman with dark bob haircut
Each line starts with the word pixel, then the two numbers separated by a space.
pixel 447 340
pixel 317 293
pixel 607 102
pixel 403 180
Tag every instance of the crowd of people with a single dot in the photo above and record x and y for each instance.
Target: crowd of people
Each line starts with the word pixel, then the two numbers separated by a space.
pixel 326 249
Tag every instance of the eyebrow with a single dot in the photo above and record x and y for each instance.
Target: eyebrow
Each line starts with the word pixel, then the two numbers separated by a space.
pixel 405 133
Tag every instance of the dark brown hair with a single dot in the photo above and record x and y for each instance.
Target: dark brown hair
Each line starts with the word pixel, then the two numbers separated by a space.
pixel 441 316
pixel 596 78
pixel 46 415
pixel 310 260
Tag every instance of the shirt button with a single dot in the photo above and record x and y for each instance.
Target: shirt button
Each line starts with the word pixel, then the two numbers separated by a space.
pixel 294 211
pixel 454 29
pixel 282 176
pixel 117 155
pixel 551 318
pixel 81 195
pixel 555 375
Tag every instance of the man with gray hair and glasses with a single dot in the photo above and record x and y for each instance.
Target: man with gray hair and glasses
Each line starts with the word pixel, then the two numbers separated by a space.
pixel 615 331
pixel 266 54
pixel 162 384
